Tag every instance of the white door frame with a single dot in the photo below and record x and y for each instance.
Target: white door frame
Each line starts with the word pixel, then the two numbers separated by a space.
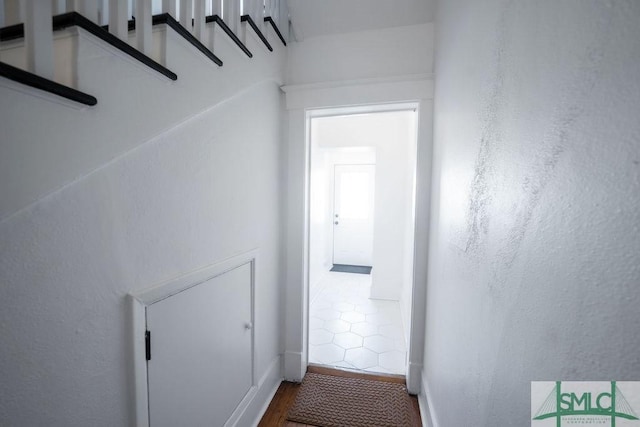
pixel 304 103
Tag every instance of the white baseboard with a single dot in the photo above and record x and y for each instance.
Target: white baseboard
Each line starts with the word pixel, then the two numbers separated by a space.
pixel 424 410
pixel 425 403
pixel 268 400
pixel 255 404
pixel 294 366
pixel 414 378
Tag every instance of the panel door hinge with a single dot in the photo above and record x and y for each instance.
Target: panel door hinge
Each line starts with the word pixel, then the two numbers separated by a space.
pixel 147 344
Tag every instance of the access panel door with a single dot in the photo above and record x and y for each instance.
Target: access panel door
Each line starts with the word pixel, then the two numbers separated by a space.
pixel 201 351
pixel 354 187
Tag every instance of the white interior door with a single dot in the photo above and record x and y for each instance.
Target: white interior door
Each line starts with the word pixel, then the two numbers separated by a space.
pixel 354 187
pixel 201 351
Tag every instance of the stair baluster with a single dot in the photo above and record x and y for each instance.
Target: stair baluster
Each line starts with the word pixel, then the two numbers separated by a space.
pixel 231 14
pixel 186 14
pixel 35 21
pixel 14 12
pixel 143 26
pixel 255 8
pixel 170 7
pixel 87 8
pixel 199 16
pixel 268 8
pixel 118 19
pixel 38 35
pixel 216 8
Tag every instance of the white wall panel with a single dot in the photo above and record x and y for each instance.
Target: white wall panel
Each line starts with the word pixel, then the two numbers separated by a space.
pixel 202 351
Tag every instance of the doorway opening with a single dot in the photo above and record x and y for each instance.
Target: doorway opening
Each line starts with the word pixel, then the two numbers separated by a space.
pixel 361 238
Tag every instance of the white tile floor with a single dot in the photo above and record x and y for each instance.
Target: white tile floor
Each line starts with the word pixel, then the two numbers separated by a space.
pixel 349 330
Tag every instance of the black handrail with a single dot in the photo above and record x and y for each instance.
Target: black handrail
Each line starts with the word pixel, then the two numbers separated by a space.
pixel 71 19
pixel 131 25
pixel 12 32
pixel 166 18
pixel 33 80
pixel 248 19
pixel 275 27
pixel 231 34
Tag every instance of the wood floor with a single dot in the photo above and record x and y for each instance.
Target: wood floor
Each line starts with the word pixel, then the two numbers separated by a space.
pixel 276 414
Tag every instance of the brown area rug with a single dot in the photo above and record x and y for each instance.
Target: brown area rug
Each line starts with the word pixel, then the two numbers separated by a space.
pixel 329 401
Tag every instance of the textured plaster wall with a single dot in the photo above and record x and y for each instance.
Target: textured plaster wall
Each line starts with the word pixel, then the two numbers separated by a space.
pixel 202 192
pixel 535 238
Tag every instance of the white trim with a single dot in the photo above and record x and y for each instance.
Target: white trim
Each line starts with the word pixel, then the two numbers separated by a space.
pixel 424 410
pixel 356 82
pixel 424 155
pixel 139 302
pixel 414 377
pixel 362 109
pixel 294 366
pixel 296 302
pixel 189 280
pixel 368 96
pixel 425 402
pixel 253 407
pixel 138 326
pixel 370 92
pixel 269 384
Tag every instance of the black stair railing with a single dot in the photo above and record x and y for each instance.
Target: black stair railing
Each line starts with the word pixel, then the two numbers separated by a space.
pixel 25 77
pixel 219 21
pixel 74 18
pixel 275 28
pixel 70 19
pixel 252 24
pixel 166 18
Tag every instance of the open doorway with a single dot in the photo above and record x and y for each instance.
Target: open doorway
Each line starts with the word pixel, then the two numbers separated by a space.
pixel 361 220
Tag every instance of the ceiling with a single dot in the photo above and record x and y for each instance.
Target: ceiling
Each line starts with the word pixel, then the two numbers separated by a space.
pixel 313 18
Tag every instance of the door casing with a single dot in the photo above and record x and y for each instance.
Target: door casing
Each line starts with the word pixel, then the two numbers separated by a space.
pixel 352 97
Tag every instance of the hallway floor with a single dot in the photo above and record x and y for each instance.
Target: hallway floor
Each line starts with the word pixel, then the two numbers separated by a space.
pixel 350 331
pixel 283 400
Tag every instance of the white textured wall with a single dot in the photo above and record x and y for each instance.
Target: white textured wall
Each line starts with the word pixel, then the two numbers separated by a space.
pixel 535 242
pixel 389 52
pixel 206 190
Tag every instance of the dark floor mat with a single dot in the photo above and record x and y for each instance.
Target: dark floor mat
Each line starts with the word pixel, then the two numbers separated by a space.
pixel 329 401
pixel 360 269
